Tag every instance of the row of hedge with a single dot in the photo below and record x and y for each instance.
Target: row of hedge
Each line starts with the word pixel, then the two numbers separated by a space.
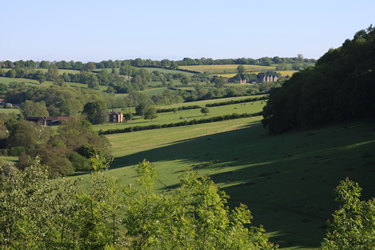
pixel 179 108
pixel 253 99
pixel 178 124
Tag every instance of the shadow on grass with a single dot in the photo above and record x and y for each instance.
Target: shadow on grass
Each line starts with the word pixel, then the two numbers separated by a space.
pixel 287 181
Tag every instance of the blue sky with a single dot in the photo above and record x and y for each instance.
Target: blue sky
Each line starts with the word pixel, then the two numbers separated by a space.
pixel 83 30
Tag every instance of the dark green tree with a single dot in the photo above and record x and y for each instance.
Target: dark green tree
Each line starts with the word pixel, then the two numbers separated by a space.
pixel 96 112
pixel 219 82
pixel 150 113
pixel 241 69
pixel 53 72
pixel 30 108
pixel 185 79
pixel 205 111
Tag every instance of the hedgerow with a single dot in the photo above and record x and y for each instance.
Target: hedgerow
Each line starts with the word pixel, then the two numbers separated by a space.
pixel 178 124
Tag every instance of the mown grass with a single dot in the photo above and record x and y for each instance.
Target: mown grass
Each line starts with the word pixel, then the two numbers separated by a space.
pixel 229 68
pixel 204 102
pixel 287 181
pixel 8 80
pixel 62 71
pixel 168 71
pixel 35 83
pixel 171 117
pixel 8 159
pixel 283 73
pixel 11 110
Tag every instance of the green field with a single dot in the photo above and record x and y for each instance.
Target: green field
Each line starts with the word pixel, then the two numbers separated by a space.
pixel 287 180
pixel 283 73
pixel 11 110
pixel 8 159
pixel 171 117
pixel 168 71
pixel 7 80
pixel 204 102
pixel 62 71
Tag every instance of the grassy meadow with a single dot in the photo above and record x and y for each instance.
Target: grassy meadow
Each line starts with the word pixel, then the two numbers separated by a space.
pixel 11 110
pixel 168 71
pixel 171 117
pixel 283 73
pixel 7 80
pixel 8 159
pixel 287 181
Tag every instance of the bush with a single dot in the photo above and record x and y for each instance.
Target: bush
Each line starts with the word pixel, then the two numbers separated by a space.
pixel 79 162
pixel 16 151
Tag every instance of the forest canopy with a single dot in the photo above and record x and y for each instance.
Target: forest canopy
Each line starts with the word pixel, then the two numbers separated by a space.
pixel 340 87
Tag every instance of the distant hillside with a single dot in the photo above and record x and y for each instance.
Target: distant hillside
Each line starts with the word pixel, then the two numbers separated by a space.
pixel 340 87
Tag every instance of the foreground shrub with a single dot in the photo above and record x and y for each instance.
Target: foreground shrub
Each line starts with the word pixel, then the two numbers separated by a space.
pixel 353 225
pixel 38 212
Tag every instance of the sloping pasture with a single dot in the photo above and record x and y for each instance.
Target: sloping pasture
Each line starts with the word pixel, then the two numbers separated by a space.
pixel 287 181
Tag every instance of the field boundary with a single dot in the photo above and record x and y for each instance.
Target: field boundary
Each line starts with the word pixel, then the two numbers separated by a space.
pixel 179 124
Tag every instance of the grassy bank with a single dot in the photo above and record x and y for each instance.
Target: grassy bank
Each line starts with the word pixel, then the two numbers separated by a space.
pixel 287 180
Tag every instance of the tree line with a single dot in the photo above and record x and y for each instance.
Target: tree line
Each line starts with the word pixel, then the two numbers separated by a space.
pixel 165 63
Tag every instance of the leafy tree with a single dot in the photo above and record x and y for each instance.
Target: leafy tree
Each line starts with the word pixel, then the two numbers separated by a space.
pixel 205 111
pixel 88 151
pixel 150 113
pixel 185 79
pixel 338 88
pixel 174 65
pixel 59 81
pixel 241 69
pixel 11 73
pixel 219 82
pixel 353 224
pixel 128 116
pixel 35 212
pixel 53 72
pixel 3 89
pixel 165 63
pixel 30 108
pixel 191 216
pixel 90 66
pixel 44 65
pixel 79 162
pixel 93 82
pixel 96 112
pixel 24 134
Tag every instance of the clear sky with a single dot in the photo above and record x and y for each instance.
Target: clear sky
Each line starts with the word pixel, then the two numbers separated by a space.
pixel 92 30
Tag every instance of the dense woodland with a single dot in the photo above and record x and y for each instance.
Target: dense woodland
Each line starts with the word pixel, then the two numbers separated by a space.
pixel 340 87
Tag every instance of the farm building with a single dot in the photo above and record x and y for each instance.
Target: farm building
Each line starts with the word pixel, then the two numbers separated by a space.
pixel 48 120
pixel 115 116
